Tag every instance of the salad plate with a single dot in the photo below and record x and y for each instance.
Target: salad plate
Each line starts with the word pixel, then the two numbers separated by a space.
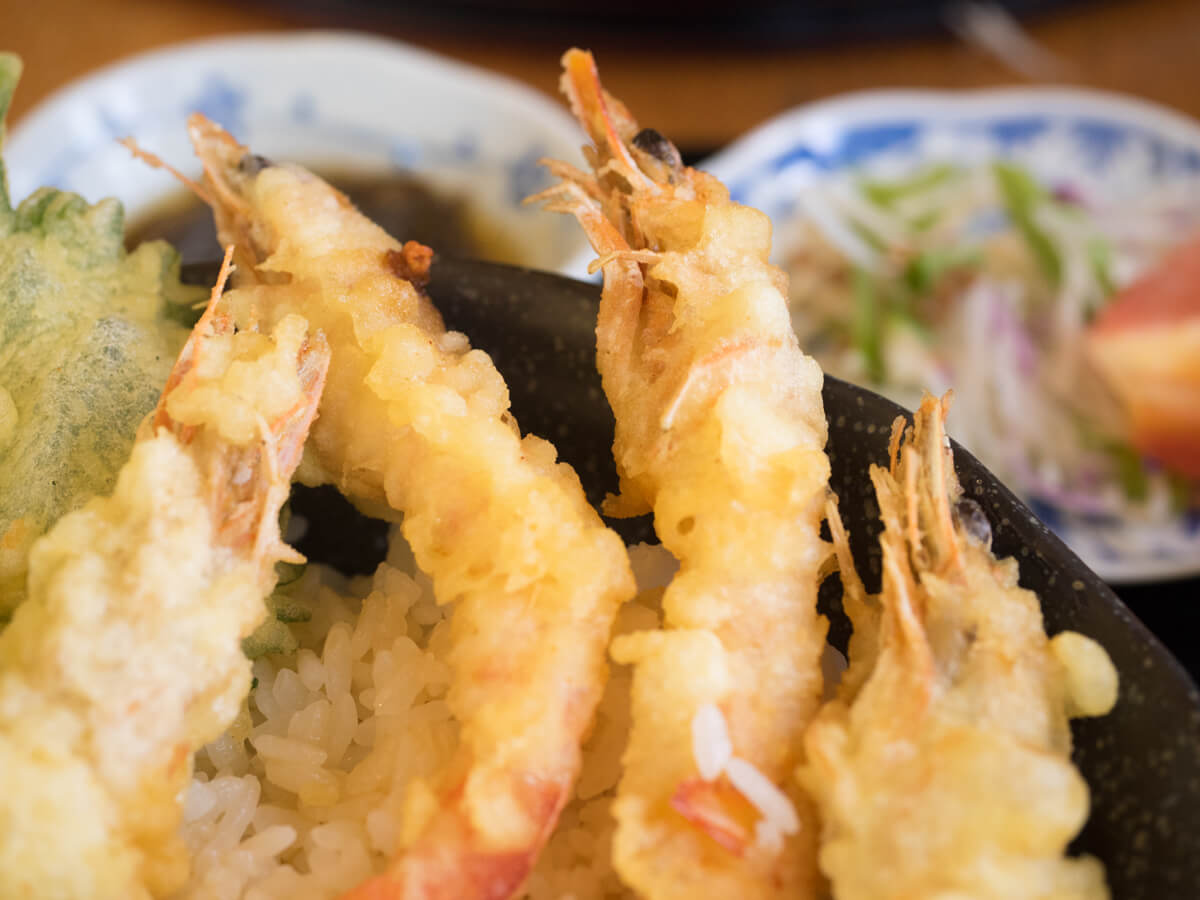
pixel 1122 173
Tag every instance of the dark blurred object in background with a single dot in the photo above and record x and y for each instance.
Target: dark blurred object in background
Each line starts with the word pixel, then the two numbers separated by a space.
pixel 762 22
pixel 1171 609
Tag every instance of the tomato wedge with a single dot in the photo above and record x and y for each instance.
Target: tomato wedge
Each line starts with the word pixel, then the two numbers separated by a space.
pixel 1146 344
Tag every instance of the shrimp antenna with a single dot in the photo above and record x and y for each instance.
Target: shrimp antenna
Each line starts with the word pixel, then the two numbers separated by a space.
pixel 158 162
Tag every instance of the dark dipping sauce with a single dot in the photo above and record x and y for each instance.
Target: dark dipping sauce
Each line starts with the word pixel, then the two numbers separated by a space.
pixel 405 206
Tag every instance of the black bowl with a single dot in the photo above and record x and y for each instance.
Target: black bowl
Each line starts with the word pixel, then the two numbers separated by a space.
pixel 1142 761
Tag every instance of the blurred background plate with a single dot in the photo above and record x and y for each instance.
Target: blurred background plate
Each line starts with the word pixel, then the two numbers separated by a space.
pixel 344 104
pixel 1099 144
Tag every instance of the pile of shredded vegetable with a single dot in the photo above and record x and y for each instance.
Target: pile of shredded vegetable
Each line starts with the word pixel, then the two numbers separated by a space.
pixel 984 280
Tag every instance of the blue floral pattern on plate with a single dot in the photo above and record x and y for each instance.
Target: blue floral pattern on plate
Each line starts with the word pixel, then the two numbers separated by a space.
pixel 317 98
pixel 222 101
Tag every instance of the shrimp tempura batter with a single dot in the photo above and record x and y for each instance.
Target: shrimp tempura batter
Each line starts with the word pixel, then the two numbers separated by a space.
pixel 720 430
pixel 943 769
pixel 416 421
pixel 126 657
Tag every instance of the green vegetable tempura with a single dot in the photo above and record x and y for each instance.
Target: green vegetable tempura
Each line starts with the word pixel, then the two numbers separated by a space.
pixel 88 335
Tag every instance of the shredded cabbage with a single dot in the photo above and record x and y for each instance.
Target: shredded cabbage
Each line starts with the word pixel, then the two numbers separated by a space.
pixel 983 279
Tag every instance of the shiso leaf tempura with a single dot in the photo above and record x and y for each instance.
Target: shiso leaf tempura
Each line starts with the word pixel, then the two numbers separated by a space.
pixel 414 422
pixel 88 333
pixel 720 431
pixel 943 768
pixel 126 656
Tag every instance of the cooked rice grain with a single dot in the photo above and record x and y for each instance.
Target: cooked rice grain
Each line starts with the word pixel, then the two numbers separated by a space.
pixel 302 797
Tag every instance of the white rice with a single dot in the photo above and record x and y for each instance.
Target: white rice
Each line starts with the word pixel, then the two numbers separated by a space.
pixel 302 797
pixel 710 741
pixel 713 752
pixel 773 804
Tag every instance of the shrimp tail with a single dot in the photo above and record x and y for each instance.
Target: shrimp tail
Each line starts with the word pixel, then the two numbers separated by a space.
pixel 944 766
pixel 247 484
pixel 607 121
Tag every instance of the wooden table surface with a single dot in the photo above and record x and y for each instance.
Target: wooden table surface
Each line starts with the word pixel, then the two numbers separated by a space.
pixel 701 96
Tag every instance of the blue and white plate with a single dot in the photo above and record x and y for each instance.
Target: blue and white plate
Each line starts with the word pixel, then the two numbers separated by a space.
pixel 1109 146
pixel 339 101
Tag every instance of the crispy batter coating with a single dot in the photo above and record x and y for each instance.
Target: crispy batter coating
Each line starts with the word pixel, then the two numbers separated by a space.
pixel 126 657
pixel 943 768
pixel 720 430
pixel 416 422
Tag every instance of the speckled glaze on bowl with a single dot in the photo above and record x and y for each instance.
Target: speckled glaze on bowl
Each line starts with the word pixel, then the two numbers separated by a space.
pixel 1142 761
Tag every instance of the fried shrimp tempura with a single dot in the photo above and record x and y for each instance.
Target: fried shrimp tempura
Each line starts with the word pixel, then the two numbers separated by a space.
pixel 126 657
pixel 943 768
pixel 720 430
pixel 416 421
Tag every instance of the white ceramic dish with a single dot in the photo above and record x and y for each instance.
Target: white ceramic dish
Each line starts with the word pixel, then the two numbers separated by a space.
pixel 1108 146
pixel 342 101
